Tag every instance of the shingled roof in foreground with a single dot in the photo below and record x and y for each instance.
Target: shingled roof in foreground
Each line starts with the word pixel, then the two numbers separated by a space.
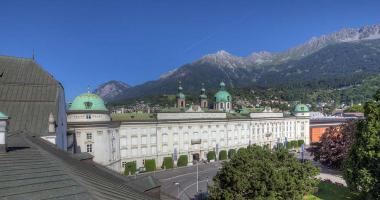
pixel 28 94
pixel 34 169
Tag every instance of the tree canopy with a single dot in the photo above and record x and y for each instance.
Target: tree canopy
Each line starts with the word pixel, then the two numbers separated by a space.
pixel 362 168
pixel 258 173
pixel 334 145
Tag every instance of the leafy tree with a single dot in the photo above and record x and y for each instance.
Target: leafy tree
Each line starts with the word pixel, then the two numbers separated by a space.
pixel 150 165
pixel 231 153
pixel 223 155
pixel 258 173
pixel 362 168
pixel 167 163
pixel 355 108
pixel 130 168
pixel 182 161
pixel 334 145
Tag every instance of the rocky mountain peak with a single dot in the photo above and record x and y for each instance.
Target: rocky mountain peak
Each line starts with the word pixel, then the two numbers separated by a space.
pixel 111 89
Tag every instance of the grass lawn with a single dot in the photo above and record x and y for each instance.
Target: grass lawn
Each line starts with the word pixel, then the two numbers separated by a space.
pixel 329 191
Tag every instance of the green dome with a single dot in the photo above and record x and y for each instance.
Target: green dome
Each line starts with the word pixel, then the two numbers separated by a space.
pixel 203 93
pixel 301 108
pixel 88 101
pixel 180 94
pixel 3 116
pixel 222 95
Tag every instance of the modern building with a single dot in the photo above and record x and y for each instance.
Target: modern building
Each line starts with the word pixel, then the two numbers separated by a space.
pixel 116 139
pixel 319 123
pixel 30 97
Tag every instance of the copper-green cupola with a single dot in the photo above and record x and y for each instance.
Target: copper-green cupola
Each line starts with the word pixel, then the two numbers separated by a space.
pixel 222 95
pixel 301 108
pixel 180 94
pixel 203 93
pixel 88 102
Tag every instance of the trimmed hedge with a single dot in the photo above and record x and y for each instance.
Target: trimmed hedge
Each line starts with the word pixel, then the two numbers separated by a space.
pixel 223 155
pixel 300 143
pixel 231 153
pixel 211 155
pixel 292 144
pixel 182 161
pixel 167 163
pixel 130 168
pixel 150 165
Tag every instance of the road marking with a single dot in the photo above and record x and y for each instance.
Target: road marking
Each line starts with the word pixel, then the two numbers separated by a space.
pixel 166 179
pixel 184 190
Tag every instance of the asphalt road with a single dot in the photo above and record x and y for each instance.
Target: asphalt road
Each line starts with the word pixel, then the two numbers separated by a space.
pixel 186 177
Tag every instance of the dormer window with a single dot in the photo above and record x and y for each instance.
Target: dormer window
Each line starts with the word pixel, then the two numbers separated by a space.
pixel 88 104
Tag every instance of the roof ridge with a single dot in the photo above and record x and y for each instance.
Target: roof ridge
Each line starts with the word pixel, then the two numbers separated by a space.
pixel 16 57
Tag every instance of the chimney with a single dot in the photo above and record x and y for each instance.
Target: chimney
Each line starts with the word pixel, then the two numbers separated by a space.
pixel 3 132
pixel 51 124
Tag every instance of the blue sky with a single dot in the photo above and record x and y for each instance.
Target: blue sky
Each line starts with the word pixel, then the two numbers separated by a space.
pixel 90 42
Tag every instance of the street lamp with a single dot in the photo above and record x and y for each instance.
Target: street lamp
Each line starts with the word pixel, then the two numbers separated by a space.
pixel 177 184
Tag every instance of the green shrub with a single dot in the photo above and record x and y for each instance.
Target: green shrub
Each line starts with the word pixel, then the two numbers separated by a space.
pixel 130 168
pixel 231 153
pixel 167 163
pixel 223 155
pixel 294 143
pixel 300 143
pixel 182 161
pixel 241 149
pixel 280 146
pixel 211 155
pixel 150 165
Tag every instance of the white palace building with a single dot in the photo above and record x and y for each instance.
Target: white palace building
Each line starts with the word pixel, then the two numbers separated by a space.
pixel 115 139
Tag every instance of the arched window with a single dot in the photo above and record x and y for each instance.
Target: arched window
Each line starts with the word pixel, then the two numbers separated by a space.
pixel 181 103
pixel 228 106
pixel 204 104
pixel 221 106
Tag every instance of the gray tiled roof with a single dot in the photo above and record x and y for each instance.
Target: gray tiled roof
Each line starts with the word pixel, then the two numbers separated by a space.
pixel 27 95
pixel 34 169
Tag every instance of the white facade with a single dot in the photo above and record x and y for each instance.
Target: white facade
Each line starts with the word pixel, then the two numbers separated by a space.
pixel 185 133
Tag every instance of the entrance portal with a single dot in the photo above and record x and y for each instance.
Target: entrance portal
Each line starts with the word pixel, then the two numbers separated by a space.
pixel 196 157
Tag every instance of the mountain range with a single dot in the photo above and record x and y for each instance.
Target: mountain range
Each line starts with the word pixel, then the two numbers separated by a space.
pixel 334 60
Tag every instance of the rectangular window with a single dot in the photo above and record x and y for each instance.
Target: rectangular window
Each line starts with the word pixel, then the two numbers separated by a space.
pixel 100 132
pixel 165 148
pixel 89 148
pixel 89 136
pixel 123 153
pixel 143 151
pixel 143 140
pixel 123 142
pixel 153 139
pixel 123 164
pixel 134 141
pixel 134 152
pixel 153 150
